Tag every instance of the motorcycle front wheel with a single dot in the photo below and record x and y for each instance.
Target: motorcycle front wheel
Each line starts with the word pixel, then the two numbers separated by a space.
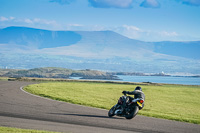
pixel 111 112
pixel 133 113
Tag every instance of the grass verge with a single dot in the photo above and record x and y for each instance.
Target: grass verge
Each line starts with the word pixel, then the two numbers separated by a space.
pixel 173 102
pixel 4 78
pixel 18 130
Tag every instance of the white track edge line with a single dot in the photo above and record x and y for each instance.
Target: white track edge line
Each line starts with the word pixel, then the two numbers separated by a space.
pixel 21 88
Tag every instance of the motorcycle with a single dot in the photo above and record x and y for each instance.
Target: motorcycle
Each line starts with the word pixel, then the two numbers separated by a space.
pixel 130 110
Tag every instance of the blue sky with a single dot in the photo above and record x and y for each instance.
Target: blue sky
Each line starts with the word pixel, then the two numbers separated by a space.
pixel 146 20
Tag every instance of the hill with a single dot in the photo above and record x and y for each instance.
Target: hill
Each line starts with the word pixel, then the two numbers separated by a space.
pixel 23 47
pixel 53 72
pixel 37 38
pixel 181 49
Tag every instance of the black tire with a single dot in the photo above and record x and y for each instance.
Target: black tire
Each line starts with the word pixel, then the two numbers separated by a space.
pixel 111 112
pixel 132 113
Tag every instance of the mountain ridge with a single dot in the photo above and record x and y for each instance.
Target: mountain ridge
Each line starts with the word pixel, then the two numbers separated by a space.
pixel 37 37
pixel 102 50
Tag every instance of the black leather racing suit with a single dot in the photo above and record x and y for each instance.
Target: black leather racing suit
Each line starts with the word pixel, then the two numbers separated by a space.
pixel 137 95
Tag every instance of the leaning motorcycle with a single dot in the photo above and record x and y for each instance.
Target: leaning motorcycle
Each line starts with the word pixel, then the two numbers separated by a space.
pixel 130 110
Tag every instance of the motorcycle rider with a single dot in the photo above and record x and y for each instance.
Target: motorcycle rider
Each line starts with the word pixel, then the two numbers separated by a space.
pixel 138 95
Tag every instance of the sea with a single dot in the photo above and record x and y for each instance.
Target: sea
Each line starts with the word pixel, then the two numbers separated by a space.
pixel 158 79
pixel 162 79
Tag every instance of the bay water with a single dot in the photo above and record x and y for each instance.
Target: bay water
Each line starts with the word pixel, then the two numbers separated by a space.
pixel 162 79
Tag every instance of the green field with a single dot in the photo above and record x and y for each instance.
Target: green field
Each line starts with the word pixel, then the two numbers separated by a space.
pixel 18 130
pixel 174 102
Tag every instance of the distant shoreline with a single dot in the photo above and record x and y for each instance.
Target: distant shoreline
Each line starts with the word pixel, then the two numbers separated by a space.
pixel 55 72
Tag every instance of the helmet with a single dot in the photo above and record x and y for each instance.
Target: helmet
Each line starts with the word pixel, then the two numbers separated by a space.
pixel 138 88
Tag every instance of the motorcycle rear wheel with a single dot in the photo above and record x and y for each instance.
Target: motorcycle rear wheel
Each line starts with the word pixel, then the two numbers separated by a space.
pixel 132 113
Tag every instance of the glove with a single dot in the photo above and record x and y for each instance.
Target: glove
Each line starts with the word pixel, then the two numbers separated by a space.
pixel 124 92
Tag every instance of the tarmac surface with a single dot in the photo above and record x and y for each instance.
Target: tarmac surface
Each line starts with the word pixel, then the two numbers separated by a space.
pixel 23 110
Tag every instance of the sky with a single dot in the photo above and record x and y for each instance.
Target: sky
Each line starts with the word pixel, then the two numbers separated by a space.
pixel 145 20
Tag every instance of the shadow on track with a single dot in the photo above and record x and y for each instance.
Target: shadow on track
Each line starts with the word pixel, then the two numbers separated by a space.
pixel 94 116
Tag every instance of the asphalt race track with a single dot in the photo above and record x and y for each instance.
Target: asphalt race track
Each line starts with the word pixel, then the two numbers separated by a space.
pixel 22 110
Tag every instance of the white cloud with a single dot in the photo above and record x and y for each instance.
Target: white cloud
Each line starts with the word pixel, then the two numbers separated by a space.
pixel 111 3
pixel 35 22
pixel 62 2
pixel 3 18
pixel 190 2
pixel 76 25
pixel 150 4
pixel 80 27
pixel 165 33
pixel 123 3
pixel 130 31
pixel 44 21
pixel 130 27
pixel 28 21
pixel 137 33
pixel 12 18
pixel 38 21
